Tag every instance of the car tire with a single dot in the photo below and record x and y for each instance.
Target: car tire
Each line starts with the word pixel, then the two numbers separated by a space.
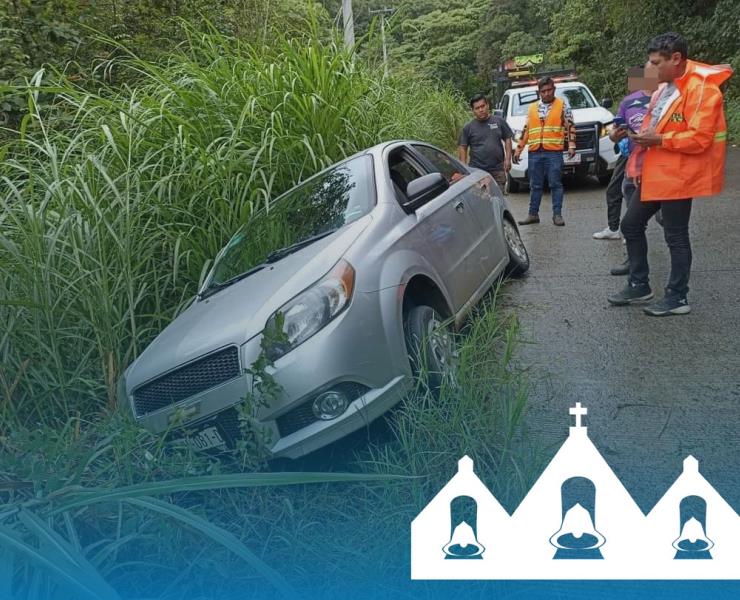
pixel 431 347
pixel 518 255
pixel 512 185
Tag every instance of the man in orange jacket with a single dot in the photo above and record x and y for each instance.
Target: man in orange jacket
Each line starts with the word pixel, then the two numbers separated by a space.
pixel 680 156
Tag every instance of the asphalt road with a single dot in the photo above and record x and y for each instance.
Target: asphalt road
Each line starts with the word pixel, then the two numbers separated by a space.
pixel 657 389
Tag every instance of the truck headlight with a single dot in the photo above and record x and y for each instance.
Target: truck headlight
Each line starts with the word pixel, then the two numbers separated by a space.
pixel 311 310
pixel 517 134
pixel 605 129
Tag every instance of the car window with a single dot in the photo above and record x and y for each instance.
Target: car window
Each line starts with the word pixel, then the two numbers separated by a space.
pixel 402 172
pixel 309 211
pixel 441 161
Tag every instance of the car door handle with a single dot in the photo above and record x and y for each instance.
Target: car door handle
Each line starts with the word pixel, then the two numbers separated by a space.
pixel 459 206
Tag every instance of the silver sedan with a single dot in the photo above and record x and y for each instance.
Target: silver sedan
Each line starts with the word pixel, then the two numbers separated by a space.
pixel 356 268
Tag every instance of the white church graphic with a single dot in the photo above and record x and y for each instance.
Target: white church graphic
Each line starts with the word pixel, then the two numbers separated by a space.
pixel 577 522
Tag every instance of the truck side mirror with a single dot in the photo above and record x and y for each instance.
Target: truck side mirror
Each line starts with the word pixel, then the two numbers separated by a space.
pixel 607 103
pixel 498 113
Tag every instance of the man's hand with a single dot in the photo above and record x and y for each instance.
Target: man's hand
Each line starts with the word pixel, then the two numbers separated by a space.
pixel 456 176
pixel 571 151
pixel 515 158
pixel 507 165
pixel 618 134
pixel 647 138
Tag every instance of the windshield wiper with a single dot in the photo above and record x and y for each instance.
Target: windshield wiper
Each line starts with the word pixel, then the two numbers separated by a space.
pixel 283 252
pixel 212 289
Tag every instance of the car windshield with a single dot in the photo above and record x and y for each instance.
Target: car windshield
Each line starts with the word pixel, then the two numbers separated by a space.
pixel 578 97
pixel 303 215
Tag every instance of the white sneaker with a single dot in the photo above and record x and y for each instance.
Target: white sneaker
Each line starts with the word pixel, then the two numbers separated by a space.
pixel 607 234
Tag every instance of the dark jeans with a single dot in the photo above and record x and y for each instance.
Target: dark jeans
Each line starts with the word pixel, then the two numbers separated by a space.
pixel 614 194
pixel 676 215
pixel 545 163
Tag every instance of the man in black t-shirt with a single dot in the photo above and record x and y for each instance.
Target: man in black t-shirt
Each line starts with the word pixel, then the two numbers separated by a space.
pixel 488 138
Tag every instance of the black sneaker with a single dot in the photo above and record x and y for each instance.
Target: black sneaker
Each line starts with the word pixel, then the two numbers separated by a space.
pixel 631 294
pixel 670 305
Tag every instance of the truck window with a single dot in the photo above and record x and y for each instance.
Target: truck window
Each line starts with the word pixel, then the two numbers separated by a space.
pixel 577 97
pixel 504 106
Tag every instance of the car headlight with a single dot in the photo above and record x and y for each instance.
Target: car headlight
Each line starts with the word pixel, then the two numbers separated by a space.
pixel 311 310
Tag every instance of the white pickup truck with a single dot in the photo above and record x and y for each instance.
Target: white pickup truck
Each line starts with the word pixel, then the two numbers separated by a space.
pixel 594 151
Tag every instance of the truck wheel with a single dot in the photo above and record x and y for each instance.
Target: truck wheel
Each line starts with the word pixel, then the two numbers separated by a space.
pixel 518 256
pixel 604 178
pixel 512 185
pixel 431 346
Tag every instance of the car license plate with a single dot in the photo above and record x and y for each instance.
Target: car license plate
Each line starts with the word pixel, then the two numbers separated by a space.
pixel 205 439
pixel 574 160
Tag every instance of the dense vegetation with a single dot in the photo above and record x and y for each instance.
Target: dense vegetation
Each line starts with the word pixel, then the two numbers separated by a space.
pixel 115 201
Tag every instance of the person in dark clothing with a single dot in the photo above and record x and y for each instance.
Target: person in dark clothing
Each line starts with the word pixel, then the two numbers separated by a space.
pixel 486 141
pixel 631 112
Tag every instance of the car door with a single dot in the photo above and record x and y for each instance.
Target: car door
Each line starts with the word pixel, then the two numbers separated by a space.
pixel 482 201
pixel 445 232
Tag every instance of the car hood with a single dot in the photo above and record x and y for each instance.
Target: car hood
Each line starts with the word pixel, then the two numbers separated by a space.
pixel 237 313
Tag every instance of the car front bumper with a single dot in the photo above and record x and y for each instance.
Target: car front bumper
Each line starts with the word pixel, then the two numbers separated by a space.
pixel 363 347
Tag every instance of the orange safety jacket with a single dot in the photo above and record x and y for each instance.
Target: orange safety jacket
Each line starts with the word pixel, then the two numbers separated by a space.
pixel 548 134
pixel 690 160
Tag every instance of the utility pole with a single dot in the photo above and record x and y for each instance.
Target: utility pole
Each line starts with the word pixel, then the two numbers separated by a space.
pixel 383 12
pixel 349 24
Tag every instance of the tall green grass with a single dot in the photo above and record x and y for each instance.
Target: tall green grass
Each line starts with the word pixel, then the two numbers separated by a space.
pixel 113 204
pixel 115 507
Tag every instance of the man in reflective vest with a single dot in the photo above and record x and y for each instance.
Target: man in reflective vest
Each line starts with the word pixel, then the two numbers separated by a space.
pixel 680 155
pixel 549 122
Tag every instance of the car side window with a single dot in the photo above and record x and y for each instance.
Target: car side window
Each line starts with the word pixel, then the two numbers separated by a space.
pixel 402 172
pixel 404 167
pixel 442 162
pixel 504 106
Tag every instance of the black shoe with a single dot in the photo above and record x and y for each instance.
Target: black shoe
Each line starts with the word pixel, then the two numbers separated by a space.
pixel 631 294
pixel 670 305
pixel 622 269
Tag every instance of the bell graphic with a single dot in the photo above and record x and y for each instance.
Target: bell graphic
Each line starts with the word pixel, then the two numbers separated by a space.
pixel 463 542
pixel 693 542
pixel 577 531
pixel 577 536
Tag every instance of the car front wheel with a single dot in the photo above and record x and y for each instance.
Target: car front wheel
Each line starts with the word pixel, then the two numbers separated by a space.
pixel 518 256
pixel 432 347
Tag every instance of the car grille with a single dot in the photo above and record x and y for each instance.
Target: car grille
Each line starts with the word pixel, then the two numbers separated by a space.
pixel 187 381
pixel 586 136
pixel 302 415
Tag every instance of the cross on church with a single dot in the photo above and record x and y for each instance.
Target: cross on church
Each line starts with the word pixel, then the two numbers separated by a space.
pixel 578 411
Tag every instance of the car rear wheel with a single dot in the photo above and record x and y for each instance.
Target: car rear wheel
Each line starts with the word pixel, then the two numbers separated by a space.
pixel 518 256
pixel 431 346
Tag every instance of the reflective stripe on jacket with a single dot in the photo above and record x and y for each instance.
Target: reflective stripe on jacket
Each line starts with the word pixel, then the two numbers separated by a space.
pixel 548 134
pixel 691 158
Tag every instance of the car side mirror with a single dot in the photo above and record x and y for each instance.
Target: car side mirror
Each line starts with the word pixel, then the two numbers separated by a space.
pixel 607 103
pixel 498 113
pixel 423 189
